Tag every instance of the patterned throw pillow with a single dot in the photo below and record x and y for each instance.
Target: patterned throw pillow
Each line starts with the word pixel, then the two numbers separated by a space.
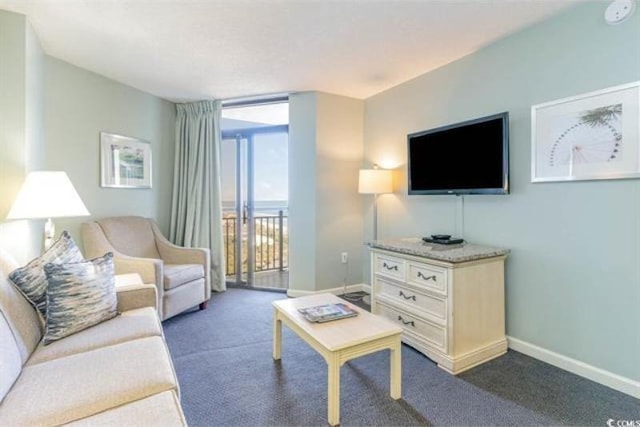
pixel 79 296
pixel 31 279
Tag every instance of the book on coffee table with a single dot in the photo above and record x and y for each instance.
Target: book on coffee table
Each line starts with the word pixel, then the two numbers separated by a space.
pixel 327 312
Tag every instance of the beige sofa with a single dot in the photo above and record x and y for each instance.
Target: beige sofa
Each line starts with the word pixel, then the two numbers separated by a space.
pixel 118 372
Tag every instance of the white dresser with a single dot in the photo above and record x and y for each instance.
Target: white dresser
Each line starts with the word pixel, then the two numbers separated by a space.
pixel 448 300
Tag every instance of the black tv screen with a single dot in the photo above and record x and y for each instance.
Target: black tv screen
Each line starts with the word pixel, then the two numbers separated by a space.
pixel 471 157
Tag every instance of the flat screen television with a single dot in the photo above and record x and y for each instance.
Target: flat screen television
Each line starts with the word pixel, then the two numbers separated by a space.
pixel 471 157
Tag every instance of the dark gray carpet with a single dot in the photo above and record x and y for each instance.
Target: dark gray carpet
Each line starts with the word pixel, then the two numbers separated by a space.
pixel 228 378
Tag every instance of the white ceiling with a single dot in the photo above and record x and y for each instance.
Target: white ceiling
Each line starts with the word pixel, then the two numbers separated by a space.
pixel 190 50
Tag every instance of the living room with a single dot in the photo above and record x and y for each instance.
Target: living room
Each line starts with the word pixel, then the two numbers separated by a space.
pixel 571 276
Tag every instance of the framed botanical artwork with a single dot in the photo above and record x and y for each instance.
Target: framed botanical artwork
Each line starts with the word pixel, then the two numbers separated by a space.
pixel 591 136
pixel 125 162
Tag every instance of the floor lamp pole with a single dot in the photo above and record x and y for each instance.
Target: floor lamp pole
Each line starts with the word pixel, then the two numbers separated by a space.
pixel 375 216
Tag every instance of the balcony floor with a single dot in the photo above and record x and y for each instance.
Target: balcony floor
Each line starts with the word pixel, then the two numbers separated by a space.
pixel 266 280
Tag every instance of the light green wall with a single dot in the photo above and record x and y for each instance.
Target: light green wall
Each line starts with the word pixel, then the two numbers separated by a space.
pixel 302 195
pixel 44 99
pixel 325 153
pixel 573 276
pixel 34 149
pixel 34 113
pixel 79 105
pixel 340 123
pixel 21 138
pixel 12 119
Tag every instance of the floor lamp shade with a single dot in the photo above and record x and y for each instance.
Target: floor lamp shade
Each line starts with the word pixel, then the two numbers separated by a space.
pixel 47 194
pixel 375 181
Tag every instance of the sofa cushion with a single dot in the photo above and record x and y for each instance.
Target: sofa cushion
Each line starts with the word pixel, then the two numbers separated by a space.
pixel 85 384
pixel 10 361
pixel 131 325
pixel 79 295
pixel 179 274
pixel 31 278
pixel 159 410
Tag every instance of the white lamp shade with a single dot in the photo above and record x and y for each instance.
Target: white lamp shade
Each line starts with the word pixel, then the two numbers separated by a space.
pixel 47 194
pixel 375 181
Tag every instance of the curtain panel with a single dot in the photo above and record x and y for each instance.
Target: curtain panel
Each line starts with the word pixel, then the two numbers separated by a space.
pixel 196 209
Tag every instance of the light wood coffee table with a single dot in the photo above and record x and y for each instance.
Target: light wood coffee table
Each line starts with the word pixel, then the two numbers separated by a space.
pixel 340 341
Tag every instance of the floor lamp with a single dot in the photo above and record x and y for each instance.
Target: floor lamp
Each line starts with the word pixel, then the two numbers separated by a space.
pixel 375 181
pixel 47 194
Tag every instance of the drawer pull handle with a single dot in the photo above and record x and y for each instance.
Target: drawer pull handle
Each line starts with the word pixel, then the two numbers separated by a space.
pixel 402 294
pixel 390 267
pixel 422 276
pixel 407 322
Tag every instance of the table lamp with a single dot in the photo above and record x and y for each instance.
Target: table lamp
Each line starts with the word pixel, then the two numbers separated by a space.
pixel 375 181
pixel 47 194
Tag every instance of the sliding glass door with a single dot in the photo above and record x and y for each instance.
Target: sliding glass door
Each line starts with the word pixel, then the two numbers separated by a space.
pixel 255 199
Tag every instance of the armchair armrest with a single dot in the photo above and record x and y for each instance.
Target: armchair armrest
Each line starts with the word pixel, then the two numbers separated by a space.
pixel 149 269
pixel 132 296
pixel 174 254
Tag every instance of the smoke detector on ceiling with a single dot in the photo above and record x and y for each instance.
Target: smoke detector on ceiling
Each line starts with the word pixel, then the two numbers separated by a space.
pixel 619 11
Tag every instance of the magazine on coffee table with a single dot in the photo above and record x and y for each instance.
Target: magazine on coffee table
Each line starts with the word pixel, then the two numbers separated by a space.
pixel 327 312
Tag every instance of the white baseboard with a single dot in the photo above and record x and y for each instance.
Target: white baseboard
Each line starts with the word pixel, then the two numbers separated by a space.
pixel 609 379
pixel 294 293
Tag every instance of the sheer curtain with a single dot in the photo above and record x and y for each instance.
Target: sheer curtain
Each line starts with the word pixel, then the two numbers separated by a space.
pixel 196 210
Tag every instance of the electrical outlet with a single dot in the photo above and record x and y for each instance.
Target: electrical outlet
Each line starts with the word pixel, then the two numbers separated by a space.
pixel 344 256
pixel 619 11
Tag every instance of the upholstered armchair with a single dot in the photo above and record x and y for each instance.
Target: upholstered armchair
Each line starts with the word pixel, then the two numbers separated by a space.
pixel 181 275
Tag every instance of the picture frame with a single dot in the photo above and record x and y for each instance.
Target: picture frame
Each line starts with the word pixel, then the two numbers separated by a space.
pixel 591 136
pixel 125 162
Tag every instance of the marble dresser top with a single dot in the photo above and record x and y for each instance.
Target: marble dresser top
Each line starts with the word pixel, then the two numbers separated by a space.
pixel 450 253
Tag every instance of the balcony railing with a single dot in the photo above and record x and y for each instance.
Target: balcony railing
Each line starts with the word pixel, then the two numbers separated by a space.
pixel 271 241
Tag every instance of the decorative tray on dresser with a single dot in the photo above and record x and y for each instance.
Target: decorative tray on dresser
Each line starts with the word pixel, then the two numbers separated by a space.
pixel 449 300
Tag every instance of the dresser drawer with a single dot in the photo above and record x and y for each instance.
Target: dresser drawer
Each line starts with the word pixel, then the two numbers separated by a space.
pixel 428 276
pixel 389 266
pixel 418 301
pixel 434 334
